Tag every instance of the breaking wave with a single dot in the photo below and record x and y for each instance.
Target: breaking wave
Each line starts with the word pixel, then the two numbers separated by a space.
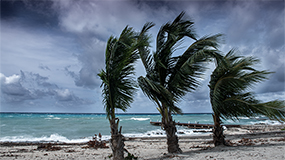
pixel 140 119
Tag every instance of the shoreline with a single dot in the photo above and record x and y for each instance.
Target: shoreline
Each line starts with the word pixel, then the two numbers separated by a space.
pixel 247 143
pixel 242 129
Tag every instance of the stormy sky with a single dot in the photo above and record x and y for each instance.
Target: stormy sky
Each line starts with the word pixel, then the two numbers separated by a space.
pixel 52 51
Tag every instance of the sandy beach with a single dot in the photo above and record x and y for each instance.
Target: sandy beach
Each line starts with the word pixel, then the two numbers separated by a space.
pixel 247 142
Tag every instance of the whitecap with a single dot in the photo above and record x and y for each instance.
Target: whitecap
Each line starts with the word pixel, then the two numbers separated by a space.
pixel 267 122
pixel 53 118
pixel 140 119
pixel 51 138
pixel 180 133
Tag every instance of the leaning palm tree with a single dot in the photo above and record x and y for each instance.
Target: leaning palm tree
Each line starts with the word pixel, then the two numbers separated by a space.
pixel 168 78
pixel 117 80
pixel 230 81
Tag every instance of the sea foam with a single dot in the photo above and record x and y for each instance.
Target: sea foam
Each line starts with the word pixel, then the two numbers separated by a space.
pixel 140 119
pixel 51 138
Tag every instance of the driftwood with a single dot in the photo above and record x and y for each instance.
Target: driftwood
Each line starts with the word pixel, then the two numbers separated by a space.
pixel 48 147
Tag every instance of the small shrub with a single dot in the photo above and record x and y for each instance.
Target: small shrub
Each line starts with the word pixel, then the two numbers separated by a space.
pixel 97 143
pixel 130 157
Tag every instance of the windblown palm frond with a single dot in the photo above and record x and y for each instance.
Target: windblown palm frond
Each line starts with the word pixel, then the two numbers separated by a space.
pixel 158 94
pixel 229 84
pixel 191 65
pixel 168 78
pixel 117 80
pixel 176 75
pixel 247 105
pixel 168 36
pixel 144 51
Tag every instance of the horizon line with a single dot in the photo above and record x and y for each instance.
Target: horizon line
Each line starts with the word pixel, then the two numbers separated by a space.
pixel 91 113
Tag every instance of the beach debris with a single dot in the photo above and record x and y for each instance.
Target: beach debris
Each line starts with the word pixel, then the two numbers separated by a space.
pixel 278 140
pixel 70 151
pixel 209 157
pixel 260 140
pixel 9 155
pixel 97 142
pixel 229 143
pixel 48 147
pixel 246 142
pixel 242 142
pixel 200 146
pixel 249 142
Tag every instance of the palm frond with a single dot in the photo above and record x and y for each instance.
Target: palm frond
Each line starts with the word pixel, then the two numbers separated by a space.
pixel 228 85
pixel 273 109
pixel 168 37
pixel 190 66
pixel 118 82
pixel 158 94
pixel 170 77
pixel 144 51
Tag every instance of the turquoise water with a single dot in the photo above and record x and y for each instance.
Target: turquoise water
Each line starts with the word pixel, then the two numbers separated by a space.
pixel 81 127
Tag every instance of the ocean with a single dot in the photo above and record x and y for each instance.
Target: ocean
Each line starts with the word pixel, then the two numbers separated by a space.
pixel 79 128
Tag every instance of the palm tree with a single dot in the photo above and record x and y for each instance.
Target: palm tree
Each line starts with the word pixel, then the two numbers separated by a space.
pixel 117 81
pixel 168 78
pixel 230 81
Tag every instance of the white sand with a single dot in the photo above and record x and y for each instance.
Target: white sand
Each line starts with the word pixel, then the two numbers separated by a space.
pixel 247 144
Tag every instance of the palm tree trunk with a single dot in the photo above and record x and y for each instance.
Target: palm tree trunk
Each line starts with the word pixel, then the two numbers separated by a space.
pixel 117 143
pixel 218 135
pixel 172 140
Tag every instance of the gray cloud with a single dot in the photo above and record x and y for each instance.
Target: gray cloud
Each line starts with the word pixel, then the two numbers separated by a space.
pixel 62 45
pixel 43 67
pixel 247 26
pixel 86 78
pixel 30 86
pixel 275 82
pixel 93 23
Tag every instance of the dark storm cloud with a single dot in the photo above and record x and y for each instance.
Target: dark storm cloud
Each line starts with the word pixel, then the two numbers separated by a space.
pixel 64 43
pixel 93 22
pixel 257 23
pixel 33 86
pixel 280 74
pixel 32 14
pixel 275 82
pixel 254 28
